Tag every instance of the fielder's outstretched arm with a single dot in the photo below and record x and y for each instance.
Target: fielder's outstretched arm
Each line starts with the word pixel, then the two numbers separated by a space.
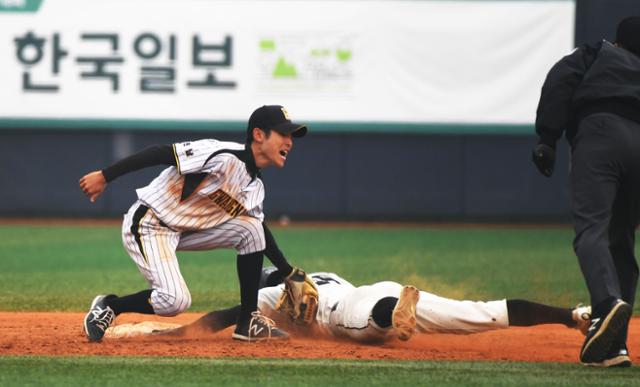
pixel 273 252
pixel 300 288
pixel 148 157
pixel 94 183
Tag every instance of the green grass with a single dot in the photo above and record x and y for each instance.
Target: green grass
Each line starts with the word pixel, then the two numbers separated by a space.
pixel 74 371
pixel 63 267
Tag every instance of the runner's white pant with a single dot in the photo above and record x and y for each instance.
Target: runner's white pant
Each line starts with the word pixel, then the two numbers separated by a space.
pixel 434 314
pixel 153 246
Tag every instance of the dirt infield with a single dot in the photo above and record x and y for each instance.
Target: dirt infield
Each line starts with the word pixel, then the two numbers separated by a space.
pixel 61 334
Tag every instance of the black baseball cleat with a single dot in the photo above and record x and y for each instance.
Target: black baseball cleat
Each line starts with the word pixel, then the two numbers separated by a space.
pixel 98 319
pixel 259 328
pixel 618 357
pixel 603 333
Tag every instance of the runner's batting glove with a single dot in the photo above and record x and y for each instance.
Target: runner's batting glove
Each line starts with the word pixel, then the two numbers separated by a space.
pixel 544 157
pixel 299 298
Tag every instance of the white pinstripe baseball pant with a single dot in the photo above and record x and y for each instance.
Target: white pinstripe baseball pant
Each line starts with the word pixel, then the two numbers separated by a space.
pixel 152 246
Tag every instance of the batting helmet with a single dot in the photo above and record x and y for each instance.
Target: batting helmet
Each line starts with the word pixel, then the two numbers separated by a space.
pixel 270 276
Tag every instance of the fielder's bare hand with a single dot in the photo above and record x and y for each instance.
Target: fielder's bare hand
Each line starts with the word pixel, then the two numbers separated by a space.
pixel 93 185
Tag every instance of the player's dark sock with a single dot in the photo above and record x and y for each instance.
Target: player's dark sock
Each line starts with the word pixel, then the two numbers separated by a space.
pixel 219 319
pixel 523 313
pixel 249 267
pixel 274 254
pixel 136 303
pixel 382 310
pixel 213 321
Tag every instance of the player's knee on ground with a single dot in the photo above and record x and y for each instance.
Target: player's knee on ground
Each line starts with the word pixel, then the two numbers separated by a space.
pixel 168 304
pixel 252 236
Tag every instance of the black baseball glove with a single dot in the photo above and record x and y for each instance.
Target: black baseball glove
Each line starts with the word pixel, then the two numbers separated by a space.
pixel 544 157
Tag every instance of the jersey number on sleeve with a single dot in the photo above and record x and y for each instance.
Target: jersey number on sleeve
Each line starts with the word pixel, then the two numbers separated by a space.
pixel 323 280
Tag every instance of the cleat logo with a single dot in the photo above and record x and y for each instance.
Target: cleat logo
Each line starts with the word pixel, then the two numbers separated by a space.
pixel 97 312
pixel 101 318
pixel 254 330
pixel 594 322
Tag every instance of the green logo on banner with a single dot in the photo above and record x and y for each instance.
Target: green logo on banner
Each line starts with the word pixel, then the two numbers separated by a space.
pixel 343 55
pixel 284 69
pixel 20 5
pixel 267 45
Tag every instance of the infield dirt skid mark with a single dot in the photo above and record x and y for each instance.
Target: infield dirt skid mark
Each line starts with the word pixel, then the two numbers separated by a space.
pixel 61 334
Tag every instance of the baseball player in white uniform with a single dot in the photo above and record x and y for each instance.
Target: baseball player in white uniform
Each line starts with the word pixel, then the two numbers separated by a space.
pixel 383 310
pixel 210 196
pixel 380 311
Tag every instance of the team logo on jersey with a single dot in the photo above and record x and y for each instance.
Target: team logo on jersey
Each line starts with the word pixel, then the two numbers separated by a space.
pixel 225 201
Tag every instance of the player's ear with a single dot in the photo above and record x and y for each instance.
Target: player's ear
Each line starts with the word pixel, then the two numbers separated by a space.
pixel 258 135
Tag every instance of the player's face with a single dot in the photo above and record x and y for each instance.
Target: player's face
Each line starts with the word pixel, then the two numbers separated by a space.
pixel 272 149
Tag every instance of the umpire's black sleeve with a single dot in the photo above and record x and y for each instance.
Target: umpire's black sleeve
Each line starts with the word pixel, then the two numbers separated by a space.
pixel 273 252
pixel 148 157
pixel 554 114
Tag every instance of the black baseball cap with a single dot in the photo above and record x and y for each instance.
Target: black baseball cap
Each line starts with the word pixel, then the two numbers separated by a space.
pixel 274 117
pixel 628 34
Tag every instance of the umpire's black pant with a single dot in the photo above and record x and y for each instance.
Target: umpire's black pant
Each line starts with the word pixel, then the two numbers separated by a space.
pixel 605 185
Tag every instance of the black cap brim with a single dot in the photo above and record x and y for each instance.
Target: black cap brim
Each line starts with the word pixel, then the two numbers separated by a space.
pixel 296 130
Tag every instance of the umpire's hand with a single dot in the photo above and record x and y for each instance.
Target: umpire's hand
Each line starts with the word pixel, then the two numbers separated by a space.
pixel 544 157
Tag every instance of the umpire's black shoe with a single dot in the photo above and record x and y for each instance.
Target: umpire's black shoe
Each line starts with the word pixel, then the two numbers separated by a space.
pixel 98 319
pixel 618 356
pixel 603 333
pixel 259 328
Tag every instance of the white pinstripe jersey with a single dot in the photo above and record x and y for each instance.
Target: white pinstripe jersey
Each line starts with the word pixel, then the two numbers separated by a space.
pixel 331 289
pixel 224 188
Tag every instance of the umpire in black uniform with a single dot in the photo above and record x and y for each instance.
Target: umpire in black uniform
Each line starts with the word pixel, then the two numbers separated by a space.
pixel 593 94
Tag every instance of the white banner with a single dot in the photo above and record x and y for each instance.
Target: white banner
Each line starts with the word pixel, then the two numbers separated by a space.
pixel 339 61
